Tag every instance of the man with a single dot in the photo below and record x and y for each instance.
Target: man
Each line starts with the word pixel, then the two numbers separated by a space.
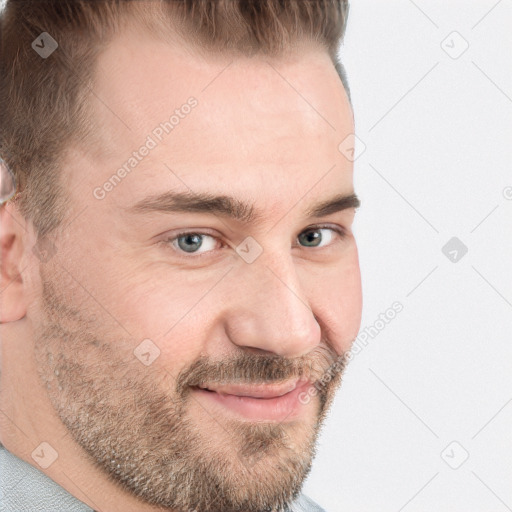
pixel 180 281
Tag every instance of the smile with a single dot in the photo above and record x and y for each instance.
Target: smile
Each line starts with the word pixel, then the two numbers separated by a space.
pixel 263 402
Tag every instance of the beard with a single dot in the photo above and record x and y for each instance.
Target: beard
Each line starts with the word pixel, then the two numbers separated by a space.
pixel 137 424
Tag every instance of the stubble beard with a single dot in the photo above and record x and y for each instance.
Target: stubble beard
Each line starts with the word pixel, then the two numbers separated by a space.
pixel 148 442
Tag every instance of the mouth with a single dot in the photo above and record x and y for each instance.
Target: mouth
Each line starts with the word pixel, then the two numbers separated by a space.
pixel 263 402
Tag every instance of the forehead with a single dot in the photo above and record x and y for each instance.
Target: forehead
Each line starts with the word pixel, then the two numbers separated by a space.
pixel 254 119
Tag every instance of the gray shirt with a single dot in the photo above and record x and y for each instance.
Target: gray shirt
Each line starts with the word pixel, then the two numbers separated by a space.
pixel 23 488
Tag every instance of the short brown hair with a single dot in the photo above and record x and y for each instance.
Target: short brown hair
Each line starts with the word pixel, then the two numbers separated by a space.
pixel 43 102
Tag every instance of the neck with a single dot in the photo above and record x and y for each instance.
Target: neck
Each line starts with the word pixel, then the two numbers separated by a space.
pixel 31 430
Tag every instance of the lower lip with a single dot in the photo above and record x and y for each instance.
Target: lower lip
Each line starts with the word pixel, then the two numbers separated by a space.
pixel 282 408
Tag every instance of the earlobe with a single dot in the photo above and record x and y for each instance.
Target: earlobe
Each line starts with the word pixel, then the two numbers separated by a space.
pixel 12 297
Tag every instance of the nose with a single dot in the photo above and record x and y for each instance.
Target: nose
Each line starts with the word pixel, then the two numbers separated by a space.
pixel 269 310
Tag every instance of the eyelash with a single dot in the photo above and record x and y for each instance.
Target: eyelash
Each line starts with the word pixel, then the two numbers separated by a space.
pixel 191 256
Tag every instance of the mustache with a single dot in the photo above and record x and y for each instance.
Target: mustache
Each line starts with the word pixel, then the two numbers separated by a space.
pixel 252 369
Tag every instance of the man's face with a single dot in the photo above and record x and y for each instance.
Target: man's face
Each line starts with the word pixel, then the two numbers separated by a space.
pixel 135 317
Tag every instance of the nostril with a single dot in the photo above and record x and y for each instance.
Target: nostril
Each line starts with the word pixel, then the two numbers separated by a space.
pixel 259 351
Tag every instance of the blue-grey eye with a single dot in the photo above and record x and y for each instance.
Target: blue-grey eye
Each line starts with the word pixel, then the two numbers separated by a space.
pixel 193 242
pixel 314 237
pixel 190 242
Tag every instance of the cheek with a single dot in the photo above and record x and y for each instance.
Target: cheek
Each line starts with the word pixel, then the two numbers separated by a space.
pixel 170 309
pixel 337 301
pixel 351 305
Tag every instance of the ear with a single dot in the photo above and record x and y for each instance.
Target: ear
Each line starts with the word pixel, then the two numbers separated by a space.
pixel 12 297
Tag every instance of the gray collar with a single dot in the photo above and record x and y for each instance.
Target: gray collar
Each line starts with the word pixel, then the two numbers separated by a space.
pixel 23 488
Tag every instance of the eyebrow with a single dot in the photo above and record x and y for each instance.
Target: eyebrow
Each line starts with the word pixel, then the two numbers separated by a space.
pixel 228 206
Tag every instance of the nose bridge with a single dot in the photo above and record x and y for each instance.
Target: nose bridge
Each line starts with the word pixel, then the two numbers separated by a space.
pixel 271 311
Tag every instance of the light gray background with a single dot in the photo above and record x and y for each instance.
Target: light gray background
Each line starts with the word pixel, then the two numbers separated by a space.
pixel 438 136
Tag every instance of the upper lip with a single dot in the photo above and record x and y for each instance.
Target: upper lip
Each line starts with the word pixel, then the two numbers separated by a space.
pixel 263 390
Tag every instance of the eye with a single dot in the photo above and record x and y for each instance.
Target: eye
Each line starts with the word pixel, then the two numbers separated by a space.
pixel 191 244
pixel 313 237
pixel 194 243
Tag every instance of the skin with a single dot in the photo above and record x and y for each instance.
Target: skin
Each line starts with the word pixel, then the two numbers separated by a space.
pixel 72 323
